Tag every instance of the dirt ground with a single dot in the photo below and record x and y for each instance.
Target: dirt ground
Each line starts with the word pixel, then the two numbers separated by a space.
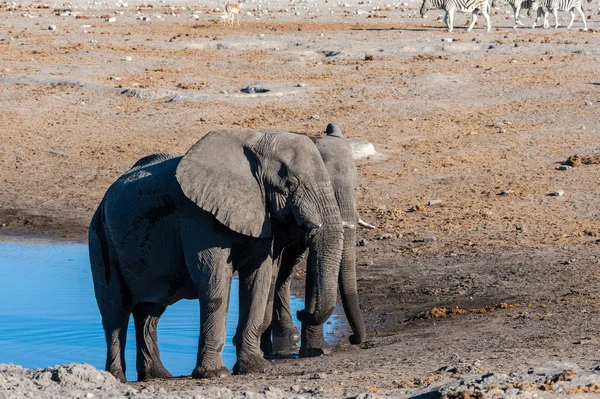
pixel 501 276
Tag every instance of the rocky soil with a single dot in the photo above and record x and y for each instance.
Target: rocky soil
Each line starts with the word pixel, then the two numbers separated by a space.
pixel 481 279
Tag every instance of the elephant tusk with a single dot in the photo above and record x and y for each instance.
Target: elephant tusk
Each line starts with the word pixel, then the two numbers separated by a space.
pixel 347 225
pixel 364 224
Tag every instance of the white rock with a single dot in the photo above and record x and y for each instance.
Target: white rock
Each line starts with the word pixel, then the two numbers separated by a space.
pixel 110 20
pixel 361 148
pixel 52 27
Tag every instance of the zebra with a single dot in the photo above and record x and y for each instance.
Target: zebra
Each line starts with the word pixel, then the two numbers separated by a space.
pixel 555 6
pixel 517 6
pixel 450 6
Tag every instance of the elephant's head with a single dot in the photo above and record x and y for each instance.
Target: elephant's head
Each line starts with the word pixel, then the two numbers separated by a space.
pixel 245 178
pixel 339 162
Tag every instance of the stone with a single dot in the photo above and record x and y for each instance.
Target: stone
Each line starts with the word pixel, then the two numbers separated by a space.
pixel 362 242
pixel 361 148
pixel 434 202
pixel 506 192
pixel 111 19
pixel 564 167
pixel 52 27
pixel 557 193
pixel 386 236
pixel 429 239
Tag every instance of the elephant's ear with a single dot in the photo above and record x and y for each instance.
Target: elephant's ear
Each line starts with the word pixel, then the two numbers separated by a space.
pixel 219 174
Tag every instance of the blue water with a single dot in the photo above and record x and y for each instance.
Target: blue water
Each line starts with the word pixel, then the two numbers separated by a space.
pixel 49 316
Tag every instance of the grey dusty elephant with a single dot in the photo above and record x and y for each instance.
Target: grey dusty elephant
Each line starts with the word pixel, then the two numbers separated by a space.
pixel 177 227
pixel 290 246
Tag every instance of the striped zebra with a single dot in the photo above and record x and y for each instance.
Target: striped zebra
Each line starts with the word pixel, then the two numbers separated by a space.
pixel 555 6
pixel 450 6
pixel 517 6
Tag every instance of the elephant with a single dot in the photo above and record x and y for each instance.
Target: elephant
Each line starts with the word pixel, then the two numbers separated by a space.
pixel 176 227
pixel 281 336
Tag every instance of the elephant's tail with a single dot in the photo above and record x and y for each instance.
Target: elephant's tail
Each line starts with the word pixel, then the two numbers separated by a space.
pixel 97 227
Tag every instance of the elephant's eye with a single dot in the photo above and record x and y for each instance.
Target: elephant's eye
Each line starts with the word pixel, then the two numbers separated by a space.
pixel 291 185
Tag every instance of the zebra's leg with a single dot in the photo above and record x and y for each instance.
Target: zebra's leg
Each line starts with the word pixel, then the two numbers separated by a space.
pixel 580 11
pixel 537 18
pixel 517 20
pixel 556 17
pixel 446 20
pixel 572 18
pixel 486 15
pixel 450 20
pixel 473 20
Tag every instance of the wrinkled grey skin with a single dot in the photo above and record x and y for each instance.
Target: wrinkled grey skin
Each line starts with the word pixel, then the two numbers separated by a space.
pixel 281 335
pixel 178 227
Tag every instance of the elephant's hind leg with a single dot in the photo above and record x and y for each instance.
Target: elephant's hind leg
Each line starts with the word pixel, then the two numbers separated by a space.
pixel 112 298
pixel 148 363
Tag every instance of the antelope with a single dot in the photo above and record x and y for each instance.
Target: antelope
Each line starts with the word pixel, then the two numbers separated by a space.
pixel 233 12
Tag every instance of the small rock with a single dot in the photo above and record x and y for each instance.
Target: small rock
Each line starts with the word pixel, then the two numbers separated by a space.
pixel 52 27
pixel 89 395
pixel 497 124
pixel 447 39
pixel 128 58
pixel 434 202
pixel 367 263
pixel 362 242
pixel 315 117
pixel 521 228
pixel 295 388
pixel 111 19
pixel 589 103
pixel 501 130
pixel 301 85
pixel 429 239
pixel 368 57
pixel 318 376
pixel 506 192
pixel 557 193
pixel 565 167
pixel 386 236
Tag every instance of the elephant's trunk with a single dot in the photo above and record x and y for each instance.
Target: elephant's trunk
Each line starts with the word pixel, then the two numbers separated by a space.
pixel 349 290
pixel 322 267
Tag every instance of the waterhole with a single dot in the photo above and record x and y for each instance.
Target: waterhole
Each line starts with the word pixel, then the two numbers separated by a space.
pixel 49 316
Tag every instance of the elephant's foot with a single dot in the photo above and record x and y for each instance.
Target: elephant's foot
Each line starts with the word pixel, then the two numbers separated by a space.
pixel 247 364
pixel 203 372
pixel 118 374
pixel 285 342
pixel 311 350
pixel 266 346
pixel 154 372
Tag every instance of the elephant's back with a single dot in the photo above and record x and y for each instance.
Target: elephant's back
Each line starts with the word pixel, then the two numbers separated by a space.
pixel 143 196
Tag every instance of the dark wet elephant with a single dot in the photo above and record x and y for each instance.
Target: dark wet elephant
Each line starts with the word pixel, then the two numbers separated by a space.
pixel 178 227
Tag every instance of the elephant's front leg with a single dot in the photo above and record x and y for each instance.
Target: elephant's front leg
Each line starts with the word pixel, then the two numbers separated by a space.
pixel 211 273
pixel 285 335
pixel 255 283
pixel 312 337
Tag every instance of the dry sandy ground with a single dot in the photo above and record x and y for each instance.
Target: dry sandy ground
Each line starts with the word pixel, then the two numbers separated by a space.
pixel 500 277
